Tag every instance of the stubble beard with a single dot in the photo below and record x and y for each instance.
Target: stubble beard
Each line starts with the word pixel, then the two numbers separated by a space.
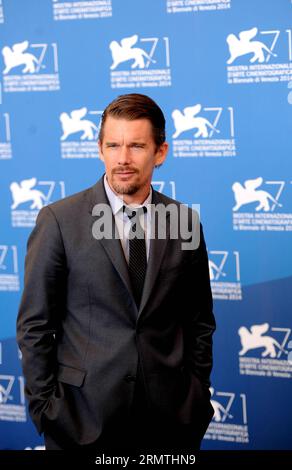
pixel 125 188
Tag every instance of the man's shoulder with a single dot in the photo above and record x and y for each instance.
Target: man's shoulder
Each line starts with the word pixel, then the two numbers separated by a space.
pixel 168 201
pixel 72 204
pixel 163 199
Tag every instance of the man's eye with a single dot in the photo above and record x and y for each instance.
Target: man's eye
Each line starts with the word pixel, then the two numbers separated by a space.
pixel 138 146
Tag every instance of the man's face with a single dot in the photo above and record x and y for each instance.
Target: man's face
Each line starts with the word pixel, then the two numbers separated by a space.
pixel 129 153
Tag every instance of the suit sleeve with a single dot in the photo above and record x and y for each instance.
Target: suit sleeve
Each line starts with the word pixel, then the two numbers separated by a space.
pixel 199 320
pixel 40 311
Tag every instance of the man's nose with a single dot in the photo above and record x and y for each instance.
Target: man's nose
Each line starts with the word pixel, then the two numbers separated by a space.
pixel 124 154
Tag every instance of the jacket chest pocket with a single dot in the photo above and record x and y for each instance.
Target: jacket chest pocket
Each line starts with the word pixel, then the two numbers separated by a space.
pixel 71 375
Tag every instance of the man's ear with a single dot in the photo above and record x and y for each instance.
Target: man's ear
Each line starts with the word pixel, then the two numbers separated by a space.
pixel 161 153
pixel 99 144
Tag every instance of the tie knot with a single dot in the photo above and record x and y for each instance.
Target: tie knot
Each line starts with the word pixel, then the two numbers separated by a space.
pixel 131 213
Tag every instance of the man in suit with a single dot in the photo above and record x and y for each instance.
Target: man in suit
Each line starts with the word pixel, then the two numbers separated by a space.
pixel 115 323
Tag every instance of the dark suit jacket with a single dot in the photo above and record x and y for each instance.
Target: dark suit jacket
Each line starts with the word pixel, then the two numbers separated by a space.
pixel 81 334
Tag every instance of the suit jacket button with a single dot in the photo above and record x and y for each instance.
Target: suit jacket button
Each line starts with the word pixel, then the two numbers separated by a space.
pixel 130 378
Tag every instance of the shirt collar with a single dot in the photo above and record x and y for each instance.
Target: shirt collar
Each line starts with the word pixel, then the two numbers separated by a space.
pixel 116 202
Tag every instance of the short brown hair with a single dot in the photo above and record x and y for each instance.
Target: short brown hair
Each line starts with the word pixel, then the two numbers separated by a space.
pixel 136 106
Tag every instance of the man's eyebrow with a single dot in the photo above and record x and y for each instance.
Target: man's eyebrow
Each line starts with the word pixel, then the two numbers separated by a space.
pixel 133 142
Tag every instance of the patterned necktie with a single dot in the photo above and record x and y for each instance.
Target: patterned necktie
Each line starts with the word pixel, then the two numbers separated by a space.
pixel 137 252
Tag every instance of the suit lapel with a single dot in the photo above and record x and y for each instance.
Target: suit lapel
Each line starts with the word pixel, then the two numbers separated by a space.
pixel 112 246
pixel 157 249
pixel 115 252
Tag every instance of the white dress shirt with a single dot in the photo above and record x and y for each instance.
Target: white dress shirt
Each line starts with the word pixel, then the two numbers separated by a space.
pixel 123 222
